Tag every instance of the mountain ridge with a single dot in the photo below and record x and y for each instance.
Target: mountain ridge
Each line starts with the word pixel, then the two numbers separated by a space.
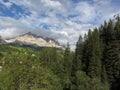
pixel 1 40
pixel 33 39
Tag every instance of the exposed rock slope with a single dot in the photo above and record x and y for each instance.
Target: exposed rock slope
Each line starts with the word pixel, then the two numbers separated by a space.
pixel 1 40
pixel 32 39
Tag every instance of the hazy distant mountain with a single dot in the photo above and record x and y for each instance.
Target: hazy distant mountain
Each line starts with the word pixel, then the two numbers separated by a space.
pixel 1 40
pixel 33 39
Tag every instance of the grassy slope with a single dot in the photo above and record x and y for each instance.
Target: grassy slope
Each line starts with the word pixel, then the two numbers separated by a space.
pixel 20 52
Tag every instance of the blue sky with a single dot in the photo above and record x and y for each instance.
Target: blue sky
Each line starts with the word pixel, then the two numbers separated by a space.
pixel 63 20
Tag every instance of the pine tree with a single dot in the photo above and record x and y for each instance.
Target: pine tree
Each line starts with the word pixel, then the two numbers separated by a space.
pixel 104 77
pixel 86 51
pixel 117 28
pixel 77 62
pixel 94 67
pixel 113 62
pixel 103 32
pixel 67 67
pixel 110 31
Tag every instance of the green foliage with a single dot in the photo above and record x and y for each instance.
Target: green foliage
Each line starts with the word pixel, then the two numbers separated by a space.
pixel 94 67
pixel 112 61
pixel 23 69
pixel 6 81
pixel 98 57
pixel 117 28
pixel 110 33
pixel 28 77
pixel 67 61
pixel 84 82
pixel 67 65
pixel 78 55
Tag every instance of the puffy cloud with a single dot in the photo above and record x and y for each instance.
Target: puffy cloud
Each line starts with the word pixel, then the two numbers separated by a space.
pixel 102 2
pixel 7 4
pixel 86 12
pixel 51 3
pixel 63 20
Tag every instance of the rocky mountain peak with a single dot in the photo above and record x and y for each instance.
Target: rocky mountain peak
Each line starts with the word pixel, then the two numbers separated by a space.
pixel 1 40
pixel 32 39
pixel 30 34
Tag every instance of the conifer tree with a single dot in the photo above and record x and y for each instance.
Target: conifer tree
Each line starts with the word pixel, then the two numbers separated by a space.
pixel 103 32
pixel 112 61
pixel 104 77
pixel 86 51
pixel 94 67
pixel 117 28
pixel 110 31
pixel 77 62
pixel 67 67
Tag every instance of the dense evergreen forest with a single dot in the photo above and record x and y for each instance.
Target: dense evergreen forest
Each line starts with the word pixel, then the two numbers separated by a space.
pixel 95 64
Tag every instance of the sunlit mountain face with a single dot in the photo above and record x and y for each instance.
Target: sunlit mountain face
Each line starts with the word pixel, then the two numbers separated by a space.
pixel 33 39
pixel 1 40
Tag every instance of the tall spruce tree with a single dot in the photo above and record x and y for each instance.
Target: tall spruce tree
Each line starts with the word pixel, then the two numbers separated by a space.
pixel 103 32
pixel 86 51
pixel 94 67
pixel 67 67
pixel 77 61
pixel 113 63
pixel 117 28
pixel 110 31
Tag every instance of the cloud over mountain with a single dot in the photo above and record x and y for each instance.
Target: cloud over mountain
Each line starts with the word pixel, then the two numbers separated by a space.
pixel 63 20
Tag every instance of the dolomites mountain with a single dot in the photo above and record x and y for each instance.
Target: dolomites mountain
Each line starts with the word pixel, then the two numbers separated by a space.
pixel 1 40
pixel 33 39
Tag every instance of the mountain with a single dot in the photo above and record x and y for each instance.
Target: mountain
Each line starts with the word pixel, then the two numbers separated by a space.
pixel 1 40
pixel 33 39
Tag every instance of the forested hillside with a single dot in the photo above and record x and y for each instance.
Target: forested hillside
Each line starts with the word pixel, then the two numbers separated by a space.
pixel 95 64
pixel 30 68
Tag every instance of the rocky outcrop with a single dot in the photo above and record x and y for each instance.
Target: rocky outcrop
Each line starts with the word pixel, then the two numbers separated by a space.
pixel 32 39
pixel 1 40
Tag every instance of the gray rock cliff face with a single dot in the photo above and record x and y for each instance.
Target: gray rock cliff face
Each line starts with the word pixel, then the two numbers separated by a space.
pixel 32 39
pixel 1 40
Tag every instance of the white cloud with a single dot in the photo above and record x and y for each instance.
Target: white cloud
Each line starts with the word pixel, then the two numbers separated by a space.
pixel 12 28
pixel 51 3
pixel 86 12
pixel 102 2
pixel 7 4
pixel 68 29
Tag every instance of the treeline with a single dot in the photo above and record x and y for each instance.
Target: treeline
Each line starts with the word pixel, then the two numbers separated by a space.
pixel 96 63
